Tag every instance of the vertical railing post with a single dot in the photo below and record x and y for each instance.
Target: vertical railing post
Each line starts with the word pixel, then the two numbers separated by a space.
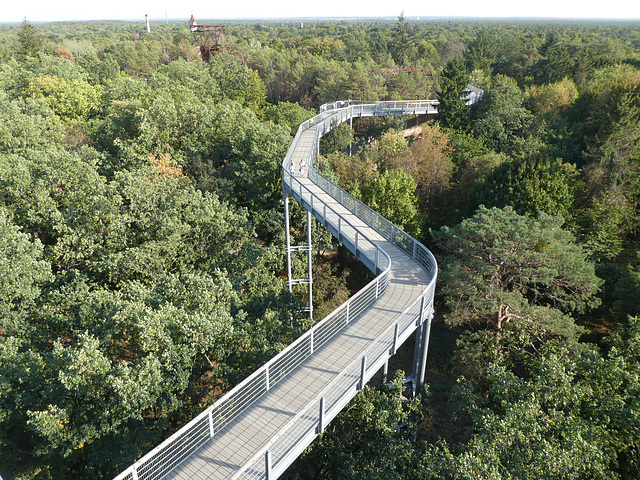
pixel 211 431
pixel 321 416
pixel 357 232
pixel 267 464
pixel 266 377
pixel 134 472
pixel 422 305
pixel 363 370
pixel 394 347
pixel 311 340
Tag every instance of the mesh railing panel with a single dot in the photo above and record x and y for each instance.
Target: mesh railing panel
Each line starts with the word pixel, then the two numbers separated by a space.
pixel 282 366
pixel 176 451
pixel 187 440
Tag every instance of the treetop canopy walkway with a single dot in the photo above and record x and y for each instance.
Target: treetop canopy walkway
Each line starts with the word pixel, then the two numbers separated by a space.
pixel 260 427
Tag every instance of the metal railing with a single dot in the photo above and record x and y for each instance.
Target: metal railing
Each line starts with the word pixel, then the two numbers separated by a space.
pixel 299 432
pixel 302 428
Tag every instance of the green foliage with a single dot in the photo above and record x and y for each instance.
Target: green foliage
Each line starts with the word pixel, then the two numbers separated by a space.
pixel 100 71
pixel 549 99
pixel 452 110
pixel 392 195
pixel 25 125
pixel 371 438
pixel 72 101
pixel 603 102
pixel 534 184
pixel 124 357
pixel 572 56
pixel 338 138
pixel 329 289
pixel 502 267
pixel 538 425
pixel 29 41
pixel 428 161
pixel 483 52
pixel 502 121
pixel 400 43
pixel 568 412
pixel 602 227
pixel 140 234
pixel 22 273
pixel 385 150
pixel 289 114
pixel 60 199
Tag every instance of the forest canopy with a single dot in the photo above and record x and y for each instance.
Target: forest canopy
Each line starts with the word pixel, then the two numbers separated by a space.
pixel 141 231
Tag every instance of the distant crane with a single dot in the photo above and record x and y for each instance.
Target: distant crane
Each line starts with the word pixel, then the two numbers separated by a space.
pixel 208 38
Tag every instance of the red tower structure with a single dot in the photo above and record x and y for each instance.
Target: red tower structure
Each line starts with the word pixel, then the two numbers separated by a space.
pixel 208 38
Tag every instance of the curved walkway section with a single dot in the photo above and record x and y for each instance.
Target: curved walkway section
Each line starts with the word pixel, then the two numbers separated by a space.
pixel 260 427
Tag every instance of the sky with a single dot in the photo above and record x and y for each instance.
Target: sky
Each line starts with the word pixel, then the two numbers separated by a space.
pixel 65 10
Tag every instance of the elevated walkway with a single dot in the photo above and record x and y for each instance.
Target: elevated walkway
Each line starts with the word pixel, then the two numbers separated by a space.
pixel 260 427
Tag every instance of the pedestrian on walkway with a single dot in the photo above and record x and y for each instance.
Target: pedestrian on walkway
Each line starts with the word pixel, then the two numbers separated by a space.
pixel 302 165
pixel 292 169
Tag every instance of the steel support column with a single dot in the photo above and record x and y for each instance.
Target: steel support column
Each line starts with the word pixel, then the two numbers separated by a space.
pixel 290 280
pixel 288 240
pixel 425 349
pixel 310 264
pixel 423 332
pixel 351 127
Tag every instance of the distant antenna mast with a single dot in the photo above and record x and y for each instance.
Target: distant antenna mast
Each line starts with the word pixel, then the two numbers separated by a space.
pixel 146 20
pixel 208 38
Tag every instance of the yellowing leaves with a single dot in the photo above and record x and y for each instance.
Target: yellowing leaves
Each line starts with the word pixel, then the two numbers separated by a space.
pixel 164 167
pixel 71 100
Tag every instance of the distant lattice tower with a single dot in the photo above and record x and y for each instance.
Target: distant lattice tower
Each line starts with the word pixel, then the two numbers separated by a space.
pixel 208 38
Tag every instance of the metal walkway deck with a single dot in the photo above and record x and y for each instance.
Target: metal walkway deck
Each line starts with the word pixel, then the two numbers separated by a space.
pixel 260 427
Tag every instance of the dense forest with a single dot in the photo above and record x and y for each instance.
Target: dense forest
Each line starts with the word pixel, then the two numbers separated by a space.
pixel 141 238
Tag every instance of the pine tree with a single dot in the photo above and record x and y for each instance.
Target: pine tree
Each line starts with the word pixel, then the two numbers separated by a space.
pixel 453 111
pixel 29 42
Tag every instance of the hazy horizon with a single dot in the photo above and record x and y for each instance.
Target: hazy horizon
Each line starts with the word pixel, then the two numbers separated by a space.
pixel 41 11
pixel 157 20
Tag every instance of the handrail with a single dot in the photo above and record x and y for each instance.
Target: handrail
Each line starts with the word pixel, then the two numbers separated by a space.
pixel 170 453
pixel 216 417
pixel 267 376
pixel 357 372
pixel 352 375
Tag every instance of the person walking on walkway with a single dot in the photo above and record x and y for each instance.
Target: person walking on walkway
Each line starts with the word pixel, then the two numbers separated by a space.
pixel 292 169
pixel 302 165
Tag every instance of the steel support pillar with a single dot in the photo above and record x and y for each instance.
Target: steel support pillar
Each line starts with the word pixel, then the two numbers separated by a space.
pixel 307 247
pixel 423 333
pixel 288 239
pixel 310 264
pixel 385 371
pixel 425 349
pixel 350 126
